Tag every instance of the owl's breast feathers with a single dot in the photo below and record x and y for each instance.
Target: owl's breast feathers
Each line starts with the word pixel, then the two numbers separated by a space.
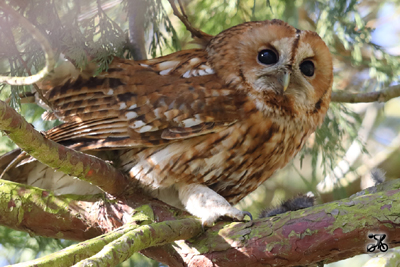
pixel 233 162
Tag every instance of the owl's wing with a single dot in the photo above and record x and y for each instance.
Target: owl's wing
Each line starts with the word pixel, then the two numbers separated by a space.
pixel 144 103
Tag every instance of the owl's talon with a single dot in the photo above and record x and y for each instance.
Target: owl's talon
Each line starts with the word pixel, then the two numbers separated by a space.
pixel 248 214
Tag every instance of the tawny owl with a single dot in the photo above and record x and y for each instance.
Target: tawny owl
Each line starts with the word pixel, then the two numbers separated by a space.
pixel 200 129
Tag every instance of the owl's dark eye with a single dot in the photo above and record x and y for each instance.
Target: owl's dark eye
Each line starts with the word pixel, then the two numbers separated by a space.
pixel 307 68
pixel 267 57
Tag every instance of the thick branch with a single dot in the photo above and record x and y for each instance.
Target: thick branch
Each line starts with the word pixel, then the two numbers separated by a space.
pixel 76 253
pixel 37 211
pixel 71 162
pixel 146 236
pixel 328 232
pixel 40 212
pixel 380 96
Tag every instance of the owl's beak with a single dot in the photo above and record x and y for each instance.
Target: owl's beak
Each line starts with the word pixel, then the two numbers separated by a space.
pixel 285 80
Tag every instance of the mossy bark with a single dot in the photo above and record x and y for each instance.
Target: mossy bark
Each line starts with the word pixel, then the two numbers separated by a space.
pixel 326 233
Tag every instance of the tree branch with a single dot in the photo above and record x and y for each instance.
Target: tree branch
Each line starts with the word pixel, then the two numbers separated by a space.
pixel 75 217
pixel 324 233
pixel 146 236
pixel 200 37
pixel 56 156
pixel 78 252
pixel 39 212
pixel 380 96
pixel 327 233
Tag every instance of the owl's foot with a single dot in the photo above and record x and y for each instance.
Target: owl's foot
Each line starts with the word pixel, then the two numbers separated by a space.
pixel 205 203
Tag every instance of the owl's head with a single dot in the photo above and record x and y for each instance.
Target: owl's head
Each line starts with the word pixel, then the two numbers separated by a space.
pixel 278 65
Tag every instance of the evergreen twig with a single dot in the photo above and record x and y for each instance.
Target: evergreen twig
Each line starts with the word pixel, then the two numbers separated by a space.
pixel 50 62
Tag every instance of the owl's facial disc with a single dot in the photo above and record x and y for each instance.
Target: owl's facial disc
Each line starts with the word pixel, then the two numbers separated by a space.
pixel 275 63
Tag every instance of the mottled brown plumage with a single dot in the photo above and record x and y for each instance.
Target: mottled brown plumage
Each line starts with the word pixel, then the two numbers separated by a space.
pixel 203 127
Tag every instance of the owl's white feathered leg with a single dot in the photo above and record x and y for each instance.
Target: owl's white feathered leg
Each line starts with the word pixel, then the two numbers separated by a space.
pixel 205 203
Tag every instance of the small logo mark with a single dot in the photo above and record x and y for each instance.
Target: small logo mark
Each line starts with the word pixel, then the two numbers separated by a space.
pixel 383 247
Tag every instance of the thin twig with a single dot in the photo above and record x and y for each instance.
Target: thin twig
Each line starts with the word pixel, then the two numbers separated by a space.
pixel 196 33
pixel 23 62
pixel 380 96
pixel 50 62
pixel 182 10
